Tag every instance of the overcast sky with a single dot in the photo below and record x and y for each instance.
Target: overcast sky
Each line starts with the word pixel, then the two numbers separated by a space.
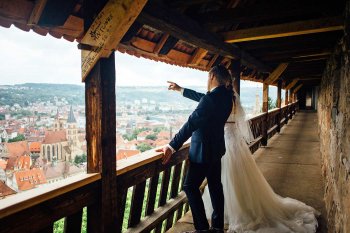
pixel 28 57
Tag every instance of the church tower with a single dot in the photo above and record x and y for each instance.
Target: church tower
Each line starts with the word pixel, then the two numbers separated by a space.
pixel 58 124
pixel 72 130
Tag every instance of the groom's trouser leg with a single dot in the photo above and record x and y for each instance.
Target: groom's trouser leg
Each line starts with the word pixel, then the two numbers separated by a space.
pixel 194 178
pixel 216 195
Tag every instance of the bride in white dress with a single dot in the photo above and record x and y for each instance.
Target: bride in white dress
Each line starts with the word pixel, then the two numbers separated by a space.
pixel 251 206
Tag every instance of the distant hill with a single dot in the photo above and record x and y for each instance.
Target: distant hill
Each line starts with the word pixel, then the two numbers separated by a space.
pixel 23 94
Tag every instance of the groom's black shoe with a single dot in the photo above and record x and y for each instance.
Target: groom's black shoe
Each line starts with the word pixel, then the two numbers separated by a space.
pixel 216 230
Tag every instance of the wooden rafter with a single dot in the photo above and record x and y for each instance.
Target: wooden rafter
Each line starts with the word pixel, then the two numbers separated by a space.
pixel 197 56
pixel 161 43
pixel 212 61
pixel 178 25
pixel 292 84
pixel 297 88
pixel 37 11
pixel 284 30
pixel 276 73
pixel 108 29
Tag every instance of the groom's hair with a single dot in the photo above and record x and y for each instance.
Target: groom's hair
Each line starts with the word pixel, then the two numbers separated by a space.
pixel 221 74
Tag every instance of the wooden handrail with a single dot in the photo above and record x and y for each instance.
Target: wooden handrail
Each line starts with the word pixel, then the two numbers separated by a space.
pixel 21 201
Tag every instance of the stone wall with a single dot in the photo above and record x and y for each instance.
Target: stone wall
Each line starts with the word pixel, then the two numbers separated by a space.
pixel 334 129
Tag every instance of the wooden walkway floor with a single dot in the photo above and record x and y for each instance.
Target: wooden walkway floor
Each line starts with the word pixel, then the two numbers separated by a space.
pixel 291 164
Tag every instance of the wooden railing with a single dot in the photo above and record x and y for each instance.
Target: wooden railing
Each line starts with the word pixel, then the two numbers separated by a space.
pixel 149 194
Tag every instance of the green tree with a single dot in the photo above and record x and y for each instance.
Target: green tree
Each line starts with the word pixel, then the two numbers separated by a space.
pixel 151 137
pixel 2 117
pixel 143 147
pixel 270 104
pixel 20 137
pixel 80 159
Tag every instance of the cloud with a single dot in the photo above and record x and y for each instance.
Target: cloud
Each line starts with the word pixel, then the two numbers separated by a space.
pixel 29 57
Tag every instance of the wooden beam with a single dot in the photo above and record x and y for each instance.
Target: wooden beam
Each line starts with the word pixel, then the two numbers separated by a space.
pixel 210 64
pixel 37 11
pixel 295 90
pixel 292 84
pixel 284 30
pixel 169 43
pixel 161 43
pixel 108 29
pixel 197 56
pixel 276 73
pixel 178 25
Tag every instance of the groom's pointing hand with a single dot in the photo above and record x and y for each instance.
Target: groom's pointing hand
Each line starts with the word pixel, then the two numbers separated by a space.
pixel 173 86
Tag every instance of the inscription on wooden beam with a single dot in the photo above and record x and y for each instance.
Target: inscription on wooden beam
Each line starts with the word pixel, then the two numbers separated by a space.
pixel 276 73
pixel 108 29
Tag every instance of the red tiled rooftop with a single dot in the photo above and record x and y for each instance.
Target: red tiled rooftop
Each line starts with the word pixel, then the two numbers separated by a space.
pixel 5 190
pixel 123 154
pixel 55 137
pixel 35 147
pixel 17 148
pixel 28 179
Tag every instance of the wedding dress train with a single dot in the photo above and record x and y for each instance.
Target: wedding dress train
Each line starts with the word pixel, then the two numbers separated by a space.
pixel 251 206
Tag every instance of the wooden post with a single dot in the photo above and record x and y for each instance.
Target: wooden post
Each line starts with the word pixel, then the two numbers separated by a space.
pixel 100 108
pixel 290 109
pixel 279 86
pixel 101 143
pixel 265 109
pixel 286 105
pixel 235 69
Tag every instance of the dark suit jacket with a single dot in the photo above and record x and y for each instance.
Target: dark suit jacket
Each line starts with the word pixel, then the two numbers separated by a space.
pixel 206 125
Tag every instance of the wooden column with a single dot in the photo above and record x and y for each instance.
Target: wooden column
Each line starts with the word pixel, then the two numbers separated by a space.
pixel 235 69
pixel 100 107
pixel 279 117
pixel 290 109
pixel 265 110
pixel 286 105
pixel 101 143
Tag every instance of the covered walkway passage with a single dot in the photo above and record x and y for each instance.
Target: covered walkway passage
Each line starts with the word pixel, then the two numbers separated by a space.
pixel 291 164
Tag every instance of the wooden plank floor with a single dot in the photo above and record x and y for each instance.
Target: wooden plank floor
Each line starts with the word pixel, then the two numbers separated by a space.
pixel 291 164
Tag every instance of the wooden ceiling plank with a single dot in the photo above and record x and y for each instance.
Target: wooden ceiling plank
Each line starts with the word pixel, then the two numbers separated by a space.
pixel 178 25
pixel 37 11
pixel 292 84
pixel 276 73
pixel 197 56
pixel 108 29
pixel 285 30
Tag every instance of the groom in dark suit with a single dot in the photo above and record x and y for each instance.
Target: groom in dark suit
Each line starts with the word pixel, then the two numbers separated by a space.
pixel 206 126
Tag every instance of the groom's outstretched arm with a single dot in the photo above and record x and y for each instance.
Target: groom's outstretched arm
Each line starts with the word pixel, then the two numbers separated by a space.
pixel 197 119
pixel 193 95
pixel 188 93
